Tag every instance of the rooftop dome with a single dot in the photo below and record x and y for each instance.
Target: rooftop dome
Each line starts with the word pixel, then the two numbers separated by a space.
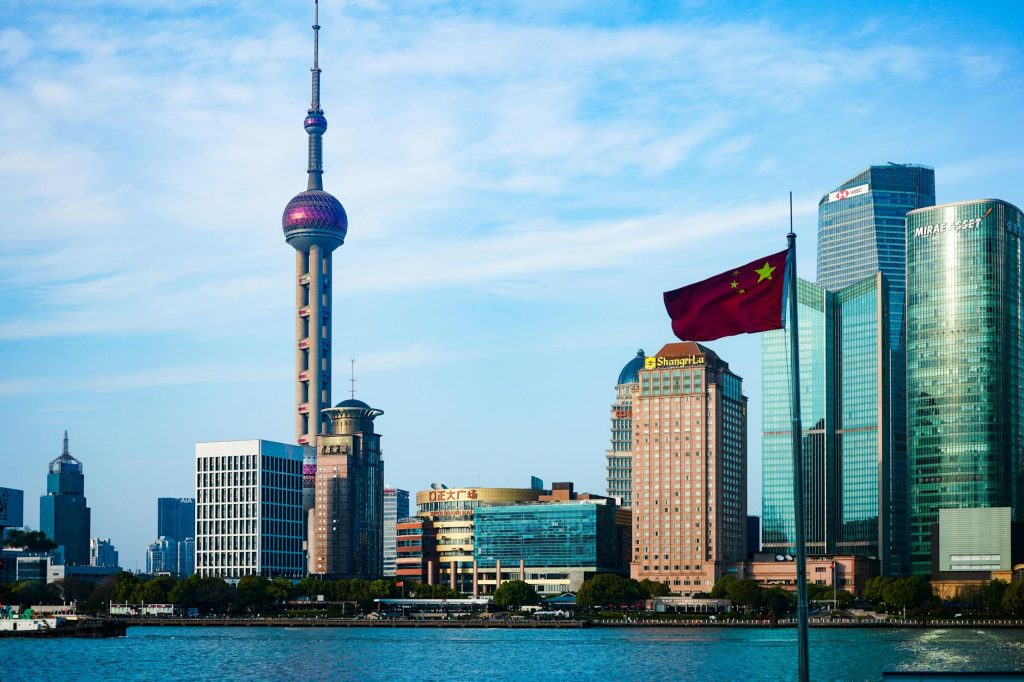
pixel 314 217
pixel 630 374
pixel 352 402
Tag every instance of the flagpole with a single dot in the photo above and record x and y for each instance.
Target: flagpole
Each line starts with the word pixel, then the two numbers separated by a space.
pixel 798 460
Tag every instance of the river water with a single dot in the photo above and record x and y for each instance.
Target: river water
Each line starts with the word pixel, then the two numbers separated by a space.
pixel 704 654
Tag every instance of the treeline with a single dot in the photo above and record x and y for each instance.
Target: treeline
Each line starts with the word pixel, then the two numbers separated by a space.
pixel 994 598
pixel 252 594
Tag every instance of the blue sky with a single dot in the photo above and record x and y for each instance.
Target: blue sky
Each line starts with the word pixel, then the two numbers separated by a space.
pixel 522 180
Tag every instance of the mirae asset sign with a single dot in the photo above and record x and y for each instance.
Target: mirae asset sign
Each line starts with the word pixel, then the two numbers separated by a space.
pixel 953 226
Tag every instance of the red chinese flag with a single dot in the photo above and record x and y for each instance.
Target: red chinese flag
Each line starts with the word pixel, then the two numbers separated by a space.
pixel 744 300
pixel 400 583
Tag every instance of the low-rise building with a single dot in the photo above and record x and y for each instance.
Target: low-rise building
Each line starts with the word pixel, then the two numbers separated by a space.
pixel 848 572
pixel 972 546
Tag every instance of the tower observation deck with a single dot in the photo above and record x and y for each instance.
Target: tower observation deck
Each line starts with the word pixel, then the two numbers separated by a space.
pixel 314 224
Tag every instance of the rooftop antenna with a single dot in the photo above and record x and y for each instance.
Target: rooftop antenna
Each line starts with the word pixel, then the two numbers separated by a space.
pixel 352 380
pixel 65 452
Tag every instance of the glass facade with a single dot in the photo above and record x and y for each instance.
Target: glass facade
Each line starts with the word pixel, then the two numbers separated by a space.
pixel 843 367
pixel 964 365
pixel 63 514
pixel 567 534
pixel 176 517
pixel 396 506
pixel 861 231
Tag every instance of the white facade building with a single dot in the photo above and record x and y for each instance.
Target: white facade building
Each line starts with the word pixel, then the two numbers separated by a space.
pixel 102 552
pixel 249 514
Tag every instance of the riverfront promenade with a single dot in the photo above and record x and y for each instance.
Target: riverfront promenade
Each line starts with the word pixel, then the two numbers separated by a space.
pixel 563 624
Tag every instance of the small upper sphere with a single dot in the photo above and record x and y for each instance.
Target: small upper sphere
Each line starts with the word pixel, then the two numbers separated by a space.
pixel 315 123
pixel 314 217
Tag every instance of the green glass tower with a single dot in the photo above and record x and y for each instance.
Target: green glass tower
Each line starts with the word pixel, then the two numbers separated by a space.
pixel 861 231
pixel 844 367
pixel 964 363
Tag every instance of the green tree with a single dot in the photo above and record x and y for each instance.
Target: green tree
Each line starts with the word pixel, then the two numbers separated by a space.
pixel 29 592
pixel 608 589
pixel 992 595
pixel 281 589
pixel 185 592
pixel 514 594
pixel 1013 599
pixel 874 589
pixel 653 588
pixel 721 588
pixel 779 601
pixel 906 593
pixel 253 594
pixel 744 593
pixel 32 540
pixel 438 591
pixel 126 588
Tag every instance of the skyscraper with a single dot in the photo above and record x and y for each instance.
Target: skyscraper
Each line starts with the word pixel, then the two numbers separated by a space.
pixel 102 552
pixel 63 514
pixel 965 369
pixel 620 455
pixel 689 469
pixel 396 506
pixel 846 445
pixel 176 517
pixel 348 519
pixel 861 231
pixel 314 224
pixel 249 515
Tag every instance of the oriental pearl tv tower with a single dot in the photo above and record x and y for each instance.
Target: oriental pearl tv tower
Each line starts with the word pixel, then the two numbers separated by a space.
pixel 314 224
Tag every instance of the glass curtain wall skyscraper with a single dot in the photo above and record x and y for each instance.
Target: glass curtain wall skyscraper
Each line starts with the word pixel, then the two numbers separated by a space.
pixel 964 363
pixel 396 506
pixel 843 367
pixel 861 231
pixel 63 514
pixel 620 456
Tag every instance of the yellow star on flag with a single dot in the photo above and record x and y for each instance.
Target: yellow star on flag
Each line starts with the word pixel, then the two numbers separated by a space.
pixel 765 272
pixel 734 284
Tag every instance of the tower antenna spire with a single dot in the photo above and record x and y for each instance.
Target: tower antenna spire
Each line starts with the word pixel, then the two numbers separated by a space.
pixel 352 391
pixel 316 123
pixel 65 451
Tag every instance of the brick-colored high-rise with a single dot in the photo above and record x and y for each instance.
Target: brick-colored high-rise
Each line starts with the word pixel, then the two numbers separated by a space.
pixel 347 539
pixel 689 469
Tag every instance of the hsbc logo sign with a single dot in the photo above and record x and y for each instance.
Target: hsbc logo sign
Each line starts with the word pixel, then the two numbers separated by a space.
pixel 841 194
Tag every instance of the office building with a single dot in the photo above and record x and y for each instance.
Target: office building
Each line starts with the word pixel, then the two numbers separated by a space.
pixel 619 456
pixel 845 418
pixel 12 509
pixel 689 469
pixel 170 556
pixel 347 538
pixel 971 547
pixel 862 231
pixel 314 224
pixel 176 517
pixel 416 556
pixel 964 365
pixel 162 556
pixel 63 514
pixel 396 506
pixel 102 553
pixel 450 512
pixel 249 515
pixel 553 545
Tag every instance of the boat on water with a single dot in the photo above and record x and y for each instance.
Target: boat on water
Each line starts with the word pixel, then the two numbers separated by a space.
pixel 28 624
